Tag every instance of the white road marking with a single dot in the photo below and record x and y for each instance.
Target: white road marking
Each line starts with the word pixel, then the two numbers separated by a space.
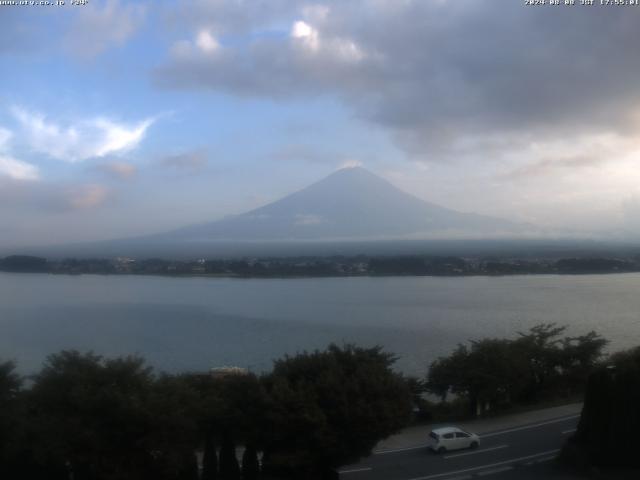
pixel 491 465
pixel 517 429
pixel 384 452
pixel 355 470
pixel 568 431
pixel 480 450
pixel 494 470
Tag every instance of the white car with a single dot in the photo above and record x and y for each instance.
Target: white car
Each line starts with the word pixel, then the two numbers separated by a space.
pixel 452 438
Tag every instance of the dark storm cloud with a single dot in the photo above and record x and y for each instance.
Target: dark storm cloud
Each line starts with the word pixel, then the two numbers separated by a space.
pixel 434 72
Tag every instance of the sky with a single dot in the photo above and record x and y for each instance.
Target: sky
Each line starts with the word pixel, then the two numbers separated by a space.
pixel 122 118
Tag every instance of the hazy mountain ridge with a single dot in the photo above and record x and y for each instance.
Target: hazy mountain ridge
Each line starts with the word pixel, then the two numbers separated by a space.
pixel 351 211
pixel 350 203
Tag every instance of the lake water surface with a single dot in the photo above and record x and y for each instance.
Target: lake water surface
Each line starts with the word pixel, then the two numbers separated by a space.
pixel 197 323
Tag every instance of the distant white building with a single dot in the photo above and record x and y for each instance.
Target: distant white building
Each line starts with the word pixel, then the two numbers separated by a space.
pixel 222 372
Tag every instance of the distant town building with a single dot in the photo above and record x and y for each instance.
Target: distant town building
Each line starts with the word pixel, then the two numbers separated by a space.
pixel 222 372
pixel 124 260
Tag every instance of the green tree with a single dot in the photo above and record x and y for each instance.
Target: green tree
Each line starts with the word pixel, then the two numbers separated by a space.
pixel 541 346
pixel 209 459
pixel 111 418
pixel 188 469
pixel 174 435
pixel 416 386
pixel 580 356
pixel 10 389
pixel 232 405
pixel 607 432
pixel 229 468
pixel 498 372
pixel 493 373
pixel 10 383
pixel 486 374
pixel 250 464
pixel 447 374
pixel 23 263
pixel 330 408
pixel 240 409
pixel 91 414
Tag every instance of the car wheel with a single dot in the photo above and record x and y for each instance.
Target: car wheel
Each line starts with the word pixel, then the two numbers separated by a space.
pixel 473 445
pixel 442 450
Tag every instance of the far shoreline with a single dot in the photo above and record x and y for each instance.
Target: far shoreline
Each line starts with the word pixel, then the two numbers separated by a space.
pixel 359 266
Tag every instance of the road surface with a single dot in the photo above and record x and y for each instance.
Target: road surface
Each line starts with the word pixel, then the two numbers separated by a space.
pixel 511 453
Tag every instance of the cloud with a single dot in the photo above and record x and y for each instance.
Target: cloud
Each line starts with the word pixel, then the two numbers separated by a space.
pixel 352 163
pixel 206 42
pixel 84 139
pixel 230 17
pixel 203 44
pixel 549 166
pixel 629 219
pixel 193 160
pixel 306 35
pixel 5 137
pixel 119 170
pixel 304 58
pixel 446 79
pixel 9 166
pixel 568 156
pixel 96 29
pixel 16 169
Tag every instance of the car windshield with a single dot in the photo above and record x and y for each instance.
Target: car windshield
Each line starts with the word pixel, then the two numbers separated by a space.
pixel 433 435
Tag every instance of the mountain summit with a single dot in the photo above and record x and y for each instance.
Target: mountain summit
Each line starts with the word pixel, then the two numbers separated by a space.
pixel 351 203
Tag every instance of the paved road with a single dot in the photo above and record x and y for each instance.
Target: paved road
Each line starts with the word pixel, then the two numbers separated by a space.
pixel 510 453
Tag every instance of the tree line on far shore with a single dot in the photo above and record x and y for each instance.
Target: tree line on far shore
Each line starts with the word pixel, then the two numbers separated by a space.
pixel 87 417
pixel 323 266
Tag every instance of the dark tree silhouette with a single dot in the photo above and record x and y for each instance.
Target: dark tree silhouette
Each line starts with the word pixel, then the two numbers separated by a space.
pixel 189 467
pixel 209 459
pixel 499 372
pixel 330 408
pixel 229 468
pixel 250 464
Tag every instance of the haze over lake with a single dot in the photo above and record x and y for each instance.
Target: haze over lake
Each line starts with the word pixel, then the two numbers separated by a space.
pixel 197 323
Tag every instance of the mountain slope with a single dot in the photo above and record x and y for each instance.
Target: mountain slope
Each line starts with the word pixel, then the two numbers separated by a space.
pixel 348 204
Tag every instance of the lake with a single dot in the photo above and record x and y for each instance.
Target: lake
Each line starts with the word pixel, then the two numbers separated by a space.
pixel 182 324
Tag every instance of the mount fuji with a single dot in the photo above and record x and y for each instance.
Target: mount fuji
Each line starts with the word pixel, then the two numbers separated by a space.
pixel 349 204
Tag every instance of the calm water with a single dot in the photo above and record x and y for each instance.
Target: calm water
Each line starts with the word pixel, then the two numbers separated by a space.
pixel 196 323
